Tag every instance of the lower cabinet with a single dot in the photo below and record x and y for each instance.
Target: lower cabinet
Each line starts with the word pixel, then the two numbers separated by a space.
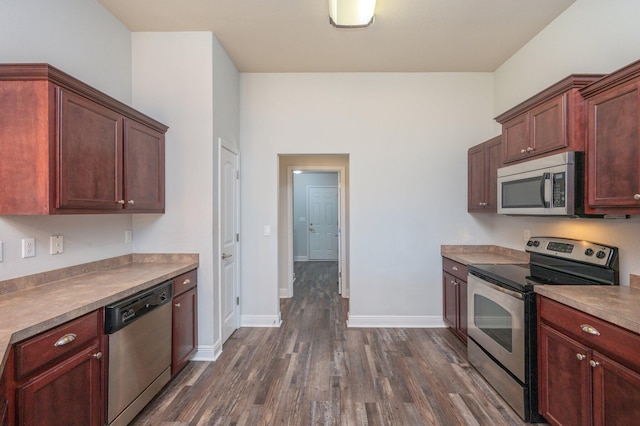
pixel 4 403
pixel 57 376
pixel 589 370
pixel 454 297
pixel 185 320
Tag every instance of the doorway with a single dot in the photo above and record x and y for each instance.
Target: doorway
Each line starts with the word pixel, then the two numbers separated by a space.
pixel 338 164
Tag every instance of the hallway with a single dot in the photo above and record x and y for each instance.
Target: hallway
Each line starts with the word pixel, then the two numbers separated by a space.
pixel 315 371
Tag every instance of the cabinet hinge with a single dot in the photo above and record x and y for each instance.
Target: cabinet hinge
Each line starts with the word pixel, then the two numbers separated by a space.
pixel 237 174
pixel 238 238
pixel 237 300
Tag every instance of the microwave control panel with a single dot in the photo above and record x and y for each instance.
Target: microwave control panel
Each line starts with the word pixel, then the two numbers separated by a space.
pixel 559 189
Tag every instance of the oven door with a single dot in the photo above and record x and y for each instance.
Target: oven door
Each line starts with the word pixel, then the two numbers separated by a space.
pixel 496 323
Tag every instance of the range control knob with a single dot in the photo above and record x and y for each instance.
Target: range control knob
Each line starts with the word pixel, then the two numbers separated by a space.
pixel 536 243
pixel 588 252
pixel 530 243
pixel 600 254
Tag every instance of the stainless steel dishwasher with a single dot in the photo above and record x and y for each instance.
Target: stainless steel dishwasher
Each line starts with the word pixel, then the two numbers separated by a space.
pixel 139 329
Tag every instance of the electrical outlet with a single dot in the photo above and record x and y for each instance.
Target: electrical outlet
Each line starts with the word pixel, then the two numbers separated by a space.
pixel 127 236
pixel 527 235
pixel 56 244
pixel 28 247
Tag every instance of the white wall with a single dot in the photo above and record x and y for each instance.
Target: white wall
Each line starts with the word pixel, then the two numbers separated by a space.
pixel 591 36
pixel 406 136
pixel 187 81
pixel 81 38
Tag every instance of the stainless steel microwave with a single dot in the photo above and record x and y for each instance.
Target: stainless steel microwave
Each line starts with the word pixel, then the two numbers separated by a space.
pixel 547 186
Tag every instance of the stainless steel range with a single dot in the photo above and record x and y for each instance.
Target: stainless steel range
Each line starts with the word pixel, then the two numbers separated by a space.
pixel 502 328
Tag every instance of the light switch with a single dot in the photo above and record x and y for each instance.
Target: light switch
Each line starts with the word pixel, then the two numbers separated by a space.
pixel 56 244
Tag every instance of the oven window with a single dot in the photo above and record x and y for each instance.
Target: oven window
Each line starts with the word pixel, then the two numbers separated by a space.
pixel 493 320
pixel 522 193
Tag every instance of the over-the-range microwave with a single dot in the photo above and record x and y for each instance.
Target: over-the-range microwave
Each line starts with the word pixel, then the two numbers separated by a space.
pixel 547 186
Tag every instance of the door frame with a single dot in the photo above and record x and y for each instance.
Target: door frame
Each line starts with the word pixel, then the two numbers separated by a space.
pixel 343 279
pixel 223 144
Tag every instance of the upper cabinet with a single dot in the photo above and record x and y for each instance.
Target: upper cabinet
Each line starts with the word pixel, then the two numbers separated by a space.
pixel 483 163
pixel 66 148
pixel 613 143
pixel 552 120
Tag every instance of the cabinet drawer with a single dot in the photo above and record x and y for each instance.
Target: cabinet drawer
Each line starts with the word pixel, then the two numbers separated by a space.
pixel 40 350
pixel 454 268
pixel 185 282
pixel 612 340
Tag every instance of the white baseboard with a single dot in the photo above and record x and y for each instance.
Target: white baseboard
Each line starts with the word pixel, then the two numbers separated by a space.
pixel 208 352
pixel 300 258
pixel 260 321
pixel 284 293
pixel 394 321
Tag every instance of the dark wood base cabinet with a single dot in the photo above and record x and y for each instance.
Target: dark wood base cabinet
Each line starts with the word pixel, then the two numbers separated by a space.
pixel 454 297
pixel 586 378
pixel 57 377
pixel 185 320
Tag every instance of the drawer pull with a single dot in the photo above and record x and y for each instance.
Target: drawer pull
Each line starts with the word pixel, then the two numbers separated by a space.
pixel 580 357
pixel 98 355
pixel 187 281
pixel 177 305
pixel 455 268
pixel 593 363
pixel 67 338
pixel 589 329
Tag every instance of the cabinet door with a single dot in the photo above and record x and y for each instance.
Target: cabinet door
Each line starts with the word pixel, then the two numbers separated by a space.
pixel 493 161
pixel 89 165
pixel 564 379
pixel 515 138
pixel 616 392
pixel 548 127
pixel 476 179
pixel 462 309
pixel 69 393
pixel 450 300
pixel 613 148
pixel 144 167
pixel 185 330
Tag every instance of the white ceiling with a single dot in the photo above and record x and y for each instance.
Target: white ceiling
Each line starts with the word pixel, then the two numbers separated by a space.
pixel 407 35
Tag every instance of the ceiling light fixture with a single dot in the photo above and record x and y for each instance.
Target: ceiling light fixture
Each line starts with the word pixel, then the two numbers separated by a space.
pixel 351 13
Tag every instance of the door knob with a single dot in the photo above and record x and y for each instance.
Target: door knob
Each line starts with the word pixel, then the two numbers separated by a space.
pixel 636 197
pixel 226 256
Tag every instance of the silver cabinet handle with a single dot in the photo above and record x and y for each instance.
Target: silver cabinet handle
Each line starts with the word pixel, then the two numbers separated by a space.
pixel 455 268
pixel 131 202
pixel 187 281
pixel 580 356
pixel 636 197
pixel 593 363
pixel 67 338
pixel 98 355
pixel 177 305
pixel 522 151
pixel 120 201
pixel 529 149
pixel 589 329
pixel 226 256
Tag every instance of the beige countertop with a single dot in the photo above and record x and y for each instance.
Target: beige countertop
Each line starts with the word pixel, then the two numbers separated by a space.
pixel 33 304
pixel 619 305
pixel 483 254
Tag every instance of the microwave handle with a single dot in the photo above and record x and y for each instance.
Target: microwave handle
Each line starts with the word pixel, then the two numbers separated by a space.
pixel 545 177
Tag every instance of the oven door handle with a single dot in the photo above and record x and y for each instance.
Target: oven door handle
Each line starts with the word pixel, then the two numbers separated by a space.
pixel 543 186
pixel 506 291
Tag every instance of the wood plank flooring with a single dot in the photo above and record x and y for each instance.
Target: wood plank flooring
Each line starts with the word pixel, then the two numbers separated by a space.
pixel 313 370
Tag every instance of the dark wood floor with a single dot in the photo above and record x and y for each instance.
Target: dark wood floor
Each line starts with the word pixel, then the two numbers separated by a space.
pixel 315 371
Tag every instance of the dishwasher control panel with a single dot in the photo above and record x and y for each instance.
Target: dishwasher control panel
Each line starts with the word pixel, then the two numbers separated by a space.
pixel 119 314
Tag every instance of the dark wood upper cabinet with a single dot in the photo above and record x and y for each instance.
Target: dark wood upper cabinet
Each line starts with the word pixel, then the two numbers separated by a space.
pixel 613 143
pixel 66 147
pixel 483 163
pixel 552 120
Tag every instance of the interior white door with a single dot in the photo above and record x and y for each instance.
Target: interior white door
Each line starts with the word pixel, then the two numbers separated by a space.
pixel 229 241
pixel 323 223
